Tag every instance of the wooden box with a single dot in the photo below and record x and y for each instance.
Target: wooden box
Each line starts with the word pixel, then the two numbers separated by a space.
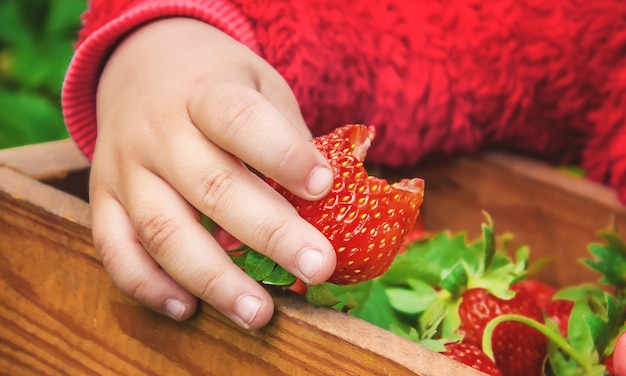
pixel 60 313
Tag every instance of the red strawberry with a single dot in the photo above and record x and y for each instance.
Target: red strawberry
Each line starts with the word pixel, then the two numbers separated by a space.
pixel 365 218
pixel 473 357
pixel 417 233
pixel 225 239
pixel 541 292
pixel 608 363
pixel 298 287
pixel 518 349
pixel 559 311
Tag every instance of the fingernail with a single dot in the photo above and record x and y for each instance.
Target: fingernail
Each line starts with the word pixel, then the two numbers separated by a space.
pixel 309 263
pixel 175 308
pixel 247 307
pixel 320 180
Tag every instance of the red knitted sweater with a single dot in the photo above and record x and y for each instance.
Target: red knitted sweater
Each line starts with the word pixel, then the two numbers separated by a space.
pixel 543 78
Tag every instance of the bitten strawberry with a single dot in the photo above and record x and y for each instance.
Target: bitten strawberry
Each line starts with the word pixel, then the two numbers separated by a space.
pixel 365 218
pixel 518 348
pixel 472 356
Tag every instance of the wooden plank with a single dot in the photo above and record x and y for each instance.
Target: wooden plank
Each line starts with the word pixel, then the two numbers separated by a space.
pixel 61 314
pixel 554 213
pixel 46 160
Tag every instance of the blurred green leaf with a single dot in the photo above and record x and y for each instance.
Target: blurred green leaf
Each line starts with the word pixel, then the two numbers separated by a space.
pixel 28 118
pixel 36 45
pixel 12 30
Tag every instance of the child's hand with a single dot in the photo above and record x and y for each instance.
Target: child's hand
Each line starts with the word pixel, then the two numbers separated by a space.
pixel 182 108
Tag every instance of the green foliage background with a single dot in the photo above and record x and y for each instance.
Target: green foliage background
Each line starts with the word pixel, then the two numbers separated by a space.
pixel 36 44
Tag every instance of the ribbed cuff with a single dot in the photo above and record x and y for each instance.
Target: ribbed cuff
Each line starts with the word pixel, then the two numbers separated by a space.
pixel 78 96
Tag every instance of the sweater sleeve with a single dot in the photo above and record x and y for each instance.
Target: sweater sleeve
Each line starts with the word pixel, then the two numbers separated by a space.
pixel 545 79
pixel 436 78
pixel 104 24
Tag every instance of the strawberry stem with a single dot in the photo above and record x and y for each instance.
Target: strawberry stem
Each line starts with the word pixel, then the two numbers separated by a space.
pixel 553 336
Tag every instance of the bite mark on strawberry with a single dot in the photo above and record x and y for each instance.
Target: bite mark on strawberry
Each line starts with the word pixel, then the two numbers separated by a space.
pixel 365 218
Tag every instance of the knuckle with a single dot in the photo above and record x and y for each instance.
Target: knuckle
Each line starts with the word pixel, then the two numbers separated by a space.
pixel 274 235
pixel 113 263
pixel 238 111
pixel 139 289
pixel 157 233
pixel 212 284
pixel 287 155
pixel 215 188
pixel 109 254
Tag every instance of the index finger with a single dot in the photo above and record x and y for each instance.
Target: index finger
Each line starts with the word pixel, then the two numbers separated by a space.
pixel 243 122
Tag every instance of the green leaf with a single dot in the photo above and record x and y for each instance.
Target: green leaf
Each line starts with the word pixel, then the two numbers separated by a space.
pixel 258 266
pixel 445 250
pixel 240 259
pixel 27 118
pixel 434 345
pixel 406 267
pixel 410 334
pixel 489 242
pixel 456 280
pixel 370 302
pixel 207 223
pixel 13 31
pixel 441 319
pixel 413 300
pixel 321 296
pixel 580 334
pixel 64 18
pixel 279 277
pixel 614 241
pixel 610 260
pixel 580 292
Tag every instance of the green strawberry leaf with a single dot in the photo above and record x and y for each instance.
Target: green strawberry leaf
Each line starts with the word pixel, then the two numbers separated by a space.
pixel 595 322
pixel 240 259
pixel 410 266
pixel 321 296
pixel 441 319
pixel 413 300
pixel 207 223
pixel 614 241
pixel 580 333
pixel 443 251
pixel 258 266
pixel 368 301
pixel 279 277
pixel 502 273
pixel 456 280
pixel 538 265
pixel 410 333
pixel 489 242
pixel 434 345
pixel 609 258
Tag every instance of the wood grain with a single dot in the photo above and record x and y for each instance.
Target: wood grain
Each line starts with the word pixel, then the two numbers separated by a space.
pixel 45 161
pixel 556 214
pixel 61 315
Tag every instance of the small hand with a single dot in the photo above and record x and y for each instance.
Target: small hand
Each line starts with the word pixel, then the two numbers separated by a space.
pixel 183 109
